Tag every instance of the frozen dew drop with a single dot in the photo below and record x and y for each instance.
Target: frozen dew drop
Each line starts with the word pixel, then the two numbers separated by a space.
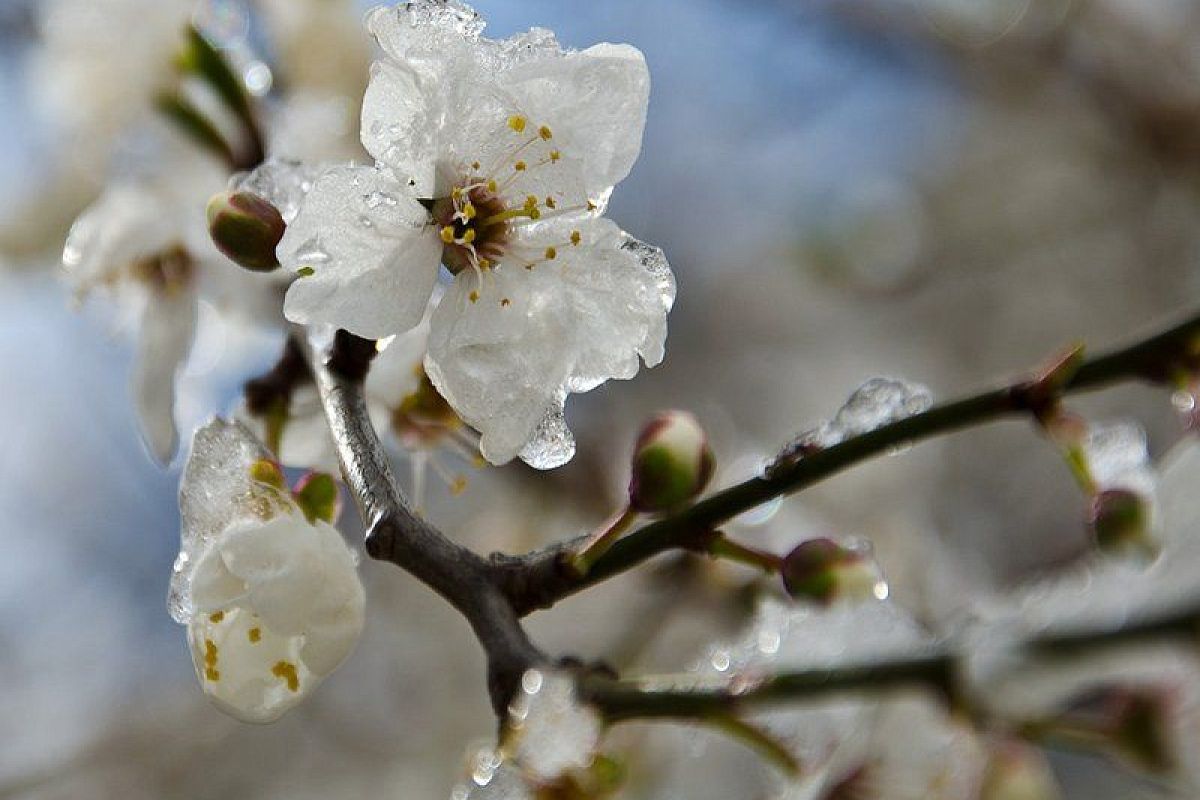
pixel 720 660
pixel 375 199
pixel 878 402
pixel 258 78
pixel 1184 402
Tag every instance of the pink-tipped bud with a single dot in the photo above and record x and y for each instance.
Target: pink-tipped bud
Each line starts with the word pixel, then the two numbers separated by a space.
pixel 821 570
pixel 672 463
pixel 246 228
pixel 1120 522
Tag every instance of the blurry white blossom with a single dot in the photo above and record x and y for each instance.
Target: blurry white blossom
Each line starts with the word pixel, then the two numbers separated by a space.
pixel 102 63
pixel 515 146
pixel 269 591
pixel 549 731
pixel 146 242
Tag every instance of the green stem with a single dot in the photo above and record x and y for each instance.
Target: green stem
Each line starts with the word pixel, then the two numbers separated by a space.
pixel 597 544
pixel 724 547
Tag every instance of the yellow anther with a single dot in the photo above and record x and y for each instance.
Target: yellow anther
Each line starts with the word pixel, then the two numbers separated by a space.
pixel 469 210
pixel 217 616
pixel 591 206
pixel 474 296
pixel 555 155
pixel 485 263
pixel 575 237
pixel 255 635
pixel 516 122
pixel 212 674
pixel 459 485
pixel 491 185
pixel 210 653
pixel 469 236
pixel 551 253
pixel 544 132
pixel 287 671
pixel 474 165
pixel 550 202
pixel 448 234
pixel 456 192
pixel 519 166
pixel 530 201
pixel 535 214
pixel 505 302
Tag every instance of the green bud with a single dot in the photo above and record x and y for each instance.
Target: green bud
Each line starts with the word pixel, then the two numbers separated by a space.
pixel 1120 521
pixel 246 228
pixel 672 463
pixel 823 571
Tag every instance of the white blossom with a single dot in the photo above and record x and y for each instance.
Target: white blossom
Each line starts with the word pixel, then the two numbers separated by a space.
pixel 145 241
pixel 272 601
pixel 515 146
pixel 549 731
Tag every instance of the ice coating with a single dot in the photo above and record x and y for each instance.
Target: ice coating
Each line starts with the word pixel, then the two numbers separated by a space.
pixel 1118 458
pixel 551 731
pixel 215 492
pixel 878 402
pixel 280 182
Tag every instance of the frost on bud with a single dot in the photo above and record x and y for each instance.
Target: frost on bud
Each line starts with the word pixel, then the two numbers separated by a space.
pixel 1120 521
pixel 269 592
pixel 823 571
pixel 549 732
pixel 672 463
pixel 246 228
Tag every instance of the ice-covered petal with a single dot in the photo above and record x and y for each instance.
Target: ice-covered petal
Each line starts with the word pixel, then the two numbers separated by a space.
pixel 216 491
pixel 246 669
pixel 501 358
pixel 213 586
pixel 399 124
pixel 366 253
pixel 425 29
pixel 595 103
pixel 167 326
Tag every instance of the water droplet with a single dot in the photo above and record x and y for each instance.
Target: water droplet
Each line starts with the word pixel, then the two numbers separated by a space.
pixel 720 660
pixel 374 199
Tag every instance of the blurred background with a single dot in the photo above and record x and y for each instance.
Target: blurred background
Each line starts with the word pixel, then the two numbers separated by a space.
pixel 945 191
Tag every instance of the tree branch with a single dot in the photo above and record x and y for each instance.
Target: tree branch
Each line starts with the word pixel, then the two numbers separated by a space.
pixel 938 669
pixel 397 534
pixel 539 579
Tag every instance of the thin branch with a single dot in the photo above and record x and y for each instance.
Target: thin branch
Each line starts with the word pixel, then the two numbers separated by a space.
pixel 938 669
pixel 539 579
pixel 397 534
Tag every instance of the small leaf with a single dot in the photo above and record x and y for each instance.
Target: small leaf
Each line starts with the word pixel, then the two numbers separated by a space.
pixel 188 119
pixel 317 496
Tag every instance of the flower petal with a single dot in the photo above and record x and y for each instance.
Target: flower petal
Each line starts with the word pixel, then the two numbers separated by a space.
pixel 398 124
pixel 500 364
pixel 165 338
pixel 373 256
pixel 595 103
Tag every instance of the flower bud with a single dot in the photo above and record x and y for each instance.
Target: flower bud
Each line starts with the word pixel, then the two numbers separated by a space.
pixel 246 228
pixel 672 462
pixel 1120 521
pixel 823 571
